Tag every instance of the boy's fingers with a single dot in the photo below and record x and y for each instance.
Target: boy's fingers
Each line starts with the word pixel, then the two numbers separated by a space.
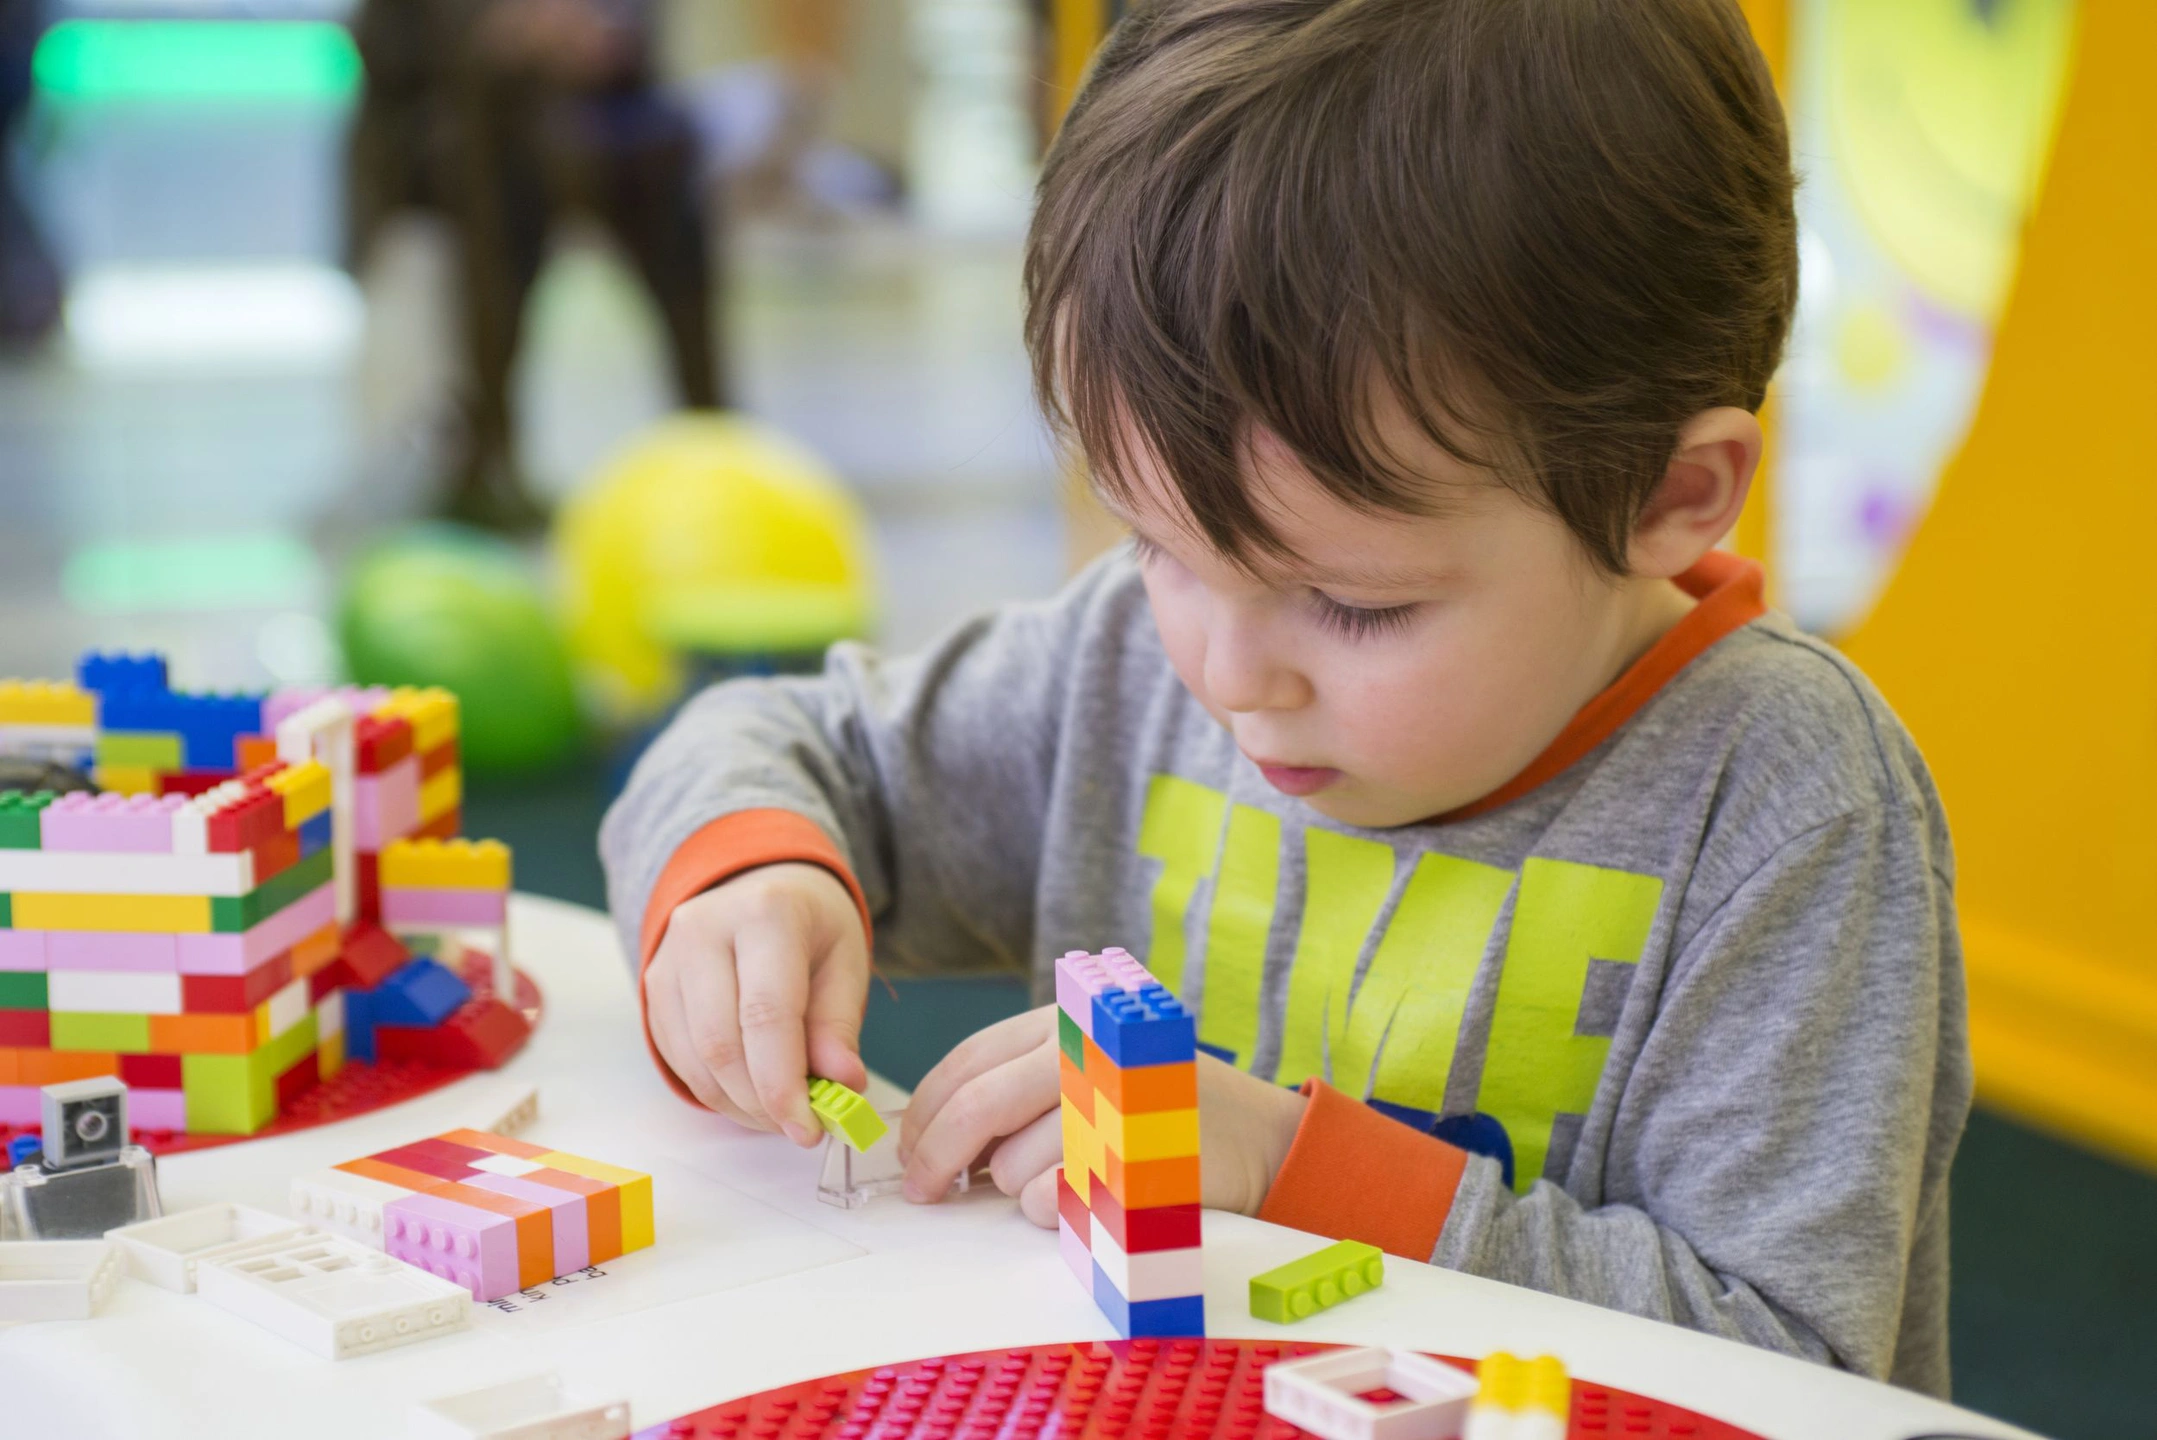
pixel 708 1003
pixel 977 1054
pixel 1020 1158
pixel 772 972
pixel 1001 1102
pixel 838 991
pixel 663 1016
pixel 1037 1202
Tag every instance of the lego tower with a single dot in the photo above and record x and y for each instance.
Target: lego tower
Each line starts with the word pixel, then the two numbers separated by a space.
pixel 1128 1196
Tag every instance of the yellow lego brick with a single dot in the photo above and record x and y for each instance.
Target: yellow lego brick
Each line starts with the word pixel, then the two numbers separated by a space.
pixel 330 1054
pixel 126 779
pixel 1084 1153
pixel 45 702
pixel 1148 1135
pixel 306 788
pixel 446 864
pixel 130 914
pixel 635 1187
pixel 431 713
pixel 439 794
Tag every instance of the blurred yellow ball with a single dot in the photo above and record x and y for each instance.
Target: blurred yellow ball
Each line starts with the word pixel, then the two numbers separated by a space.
pixel 710 533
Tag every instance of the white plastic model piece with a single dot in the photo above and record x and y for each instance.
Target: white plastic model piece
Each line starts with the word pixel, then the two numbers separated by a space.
pixel 851 1178
pixel 167 1251
pixel 336 1298
pixel 343 1204
pixel 534 1408
pixel 56 1279
pixel 1323 1394
pixel 504 1107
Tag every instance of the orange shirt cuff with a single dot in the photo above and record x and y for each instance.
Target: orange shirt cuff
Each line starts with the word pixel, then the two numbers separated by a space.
pixel 1354 1173
pixel 718 852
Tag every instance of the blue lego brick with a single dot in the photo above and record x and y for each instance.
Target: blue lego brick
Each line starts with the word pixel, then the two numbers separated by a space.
pixel 116 671
pixel 140 708
pixel 210 726
pixel 1161 1319
pixel 24 1149
pixel 1143 1027
pixel 314 834
pixel 422 992
pixel 361 1017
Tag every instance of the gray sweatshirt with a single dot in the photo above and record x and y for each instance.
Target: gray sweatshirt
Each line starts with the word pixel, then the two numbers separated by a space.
pixel 1696 1004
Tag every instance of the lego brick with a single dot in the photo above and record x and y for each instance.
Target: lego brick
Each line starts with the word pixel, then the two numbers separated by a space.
pixel 159 1109
pixel 22 950
pixel 56 1279
pixel 251 752
pixel 380 742
pixel 1137 1088
pixel 96 1031
pixel 442 757
pixel 531 1408
pixel 446 826
pixel 504 1108
pixel 183 784
pixel 1075 1254
pixel 237 953
pixel 100 671
pixel 20 1104
pixel 844 1113
pixel 100 950
pixel 385 806
pixel 150 1072
pixel 440 794
pixel 135 914
pixel 343 1203
pixel 126 779
pixel 1147 1026
pixel 233 914
pixel 287 1006
pixel 446 865
pixel 1071 1207
pixel 479 1035
pixel 115 992
pixel 234 994
pixel 151 749
pixel 210 1033
pixel 167 1251
pixel 274 856
pixel 21 825
pixel 229 1094
pixel 441 1160
pixel 1070 1038
pixel 1078 979
pixel 26 1029
pixel 369 956
pixel 1083 1151
pixel 57 1067
pixel 46 702
pixel 1331 1394
pixel 1155 1227
pixel 1150 1274
pixel 421 993
pixel 565 1212
pixel 1073 1085
pixel 313 953
pixel 25 990
pixel 336 1298
pixel 329 1055
pixel 305 786
pixel 316 833
pixel 498 1142
pixel 1319 1281
pixel 1144 1184
pixel 74 872
pixel 329 1015
pixel 448 909
pixel 1150 1135
pixel 301 1076
pixel 237 817
pixel 432 714
pixel 635 1188
pixel 1141 1319
pixel 533 1229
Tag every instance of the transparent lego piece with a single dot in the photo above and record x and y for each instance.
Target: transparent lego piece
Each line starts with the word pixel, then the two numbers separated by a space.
pixel 37 1203
pixel 852 1178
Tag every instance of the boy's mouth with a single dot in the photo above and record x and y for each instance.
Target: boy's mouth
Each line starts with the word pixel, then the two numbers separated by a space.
pixel 1297 779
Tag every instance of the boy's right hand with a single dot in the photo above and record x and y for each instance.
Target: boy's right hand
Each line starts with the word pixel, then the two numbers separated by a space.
pixel 758 984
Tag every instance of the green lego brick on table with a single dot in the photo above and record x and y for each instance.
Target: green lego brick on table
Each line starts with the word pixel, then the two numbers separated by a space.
pixel 96 1031
pixel 150 749
pixel 22 990
pixel 845 1113
pixel 1071 1038
pixel 1302 1288
pixel 19 818
pixel 230 914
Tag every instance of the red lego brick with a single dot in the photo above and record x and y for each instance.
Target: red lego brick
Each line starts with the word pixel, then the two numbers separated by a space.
pixel 380 744
pixel 367 888
pixel 370 956
pixel 440 758
pixel 278 853
pixel 151 1072
pixel 234 994
pixel 248 822
pixel 322 982
pixel 479 1035
pixel 26 1029
pixel 191 782
pixel 305 1074
pixel 1158 1227
pixel 1072 1207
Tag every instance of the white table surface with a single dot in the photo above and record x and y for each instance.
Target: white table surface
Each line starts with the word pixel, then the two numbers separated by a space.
pixel 753 1282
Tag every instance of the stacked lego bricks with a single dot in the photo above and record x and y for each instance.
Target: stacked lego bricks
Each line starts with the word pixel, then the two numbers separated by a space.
pixel 489 1213
pixel 409 784
pixel 1128 1196
pixel 1145 1389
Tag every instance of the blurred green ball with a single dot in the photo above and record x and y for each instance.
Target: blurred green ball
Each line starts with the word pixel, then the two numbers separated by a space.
pixel 442 605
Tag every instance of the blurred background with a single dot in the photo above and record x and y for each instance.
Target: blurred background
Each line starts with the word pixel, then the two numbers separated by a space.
pixel 570 352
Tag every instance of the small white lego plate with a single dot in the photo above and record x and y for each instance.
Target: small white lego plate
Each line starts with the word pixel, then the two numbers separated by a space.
pixel 1324 1394
pixel 535 1407
pixel 56 1279
pixel 168 1250
pixel 335 1297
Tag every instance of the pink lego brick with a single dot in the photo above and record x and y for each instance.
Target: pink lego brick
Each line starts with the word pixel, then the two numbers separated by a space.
pixel 281 704
pixel 572 1239
pixel 1079 977
pixel 238 954
pixel 385 807
pixel 94 950
pixel 22 1105
pixel 123 824
pixel 1075 1253
pixel 466 1246
pixel 23 950
pixel 157 1109
pixel 417 906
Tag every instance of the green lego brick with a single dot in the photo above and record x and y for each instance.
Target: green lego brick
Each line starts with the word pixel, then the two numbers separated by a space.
pixel 19 822
pixel 1302 1288
pixel 230 914
pixel 96 1031
pixel 228 1094
pixel 7 911
pixel 22 990
pixel 149 749
pixel 1071 1038
pixel 845 1113
pixel 287 1050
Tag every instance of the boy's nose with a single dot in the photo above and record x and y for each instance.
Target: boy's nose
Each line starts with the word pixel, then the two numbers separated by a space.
pixel 1243 676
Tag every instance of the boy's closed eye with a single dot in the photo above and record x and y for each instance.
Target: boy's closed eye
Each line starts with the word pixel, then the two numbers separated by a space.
pixel 1343 618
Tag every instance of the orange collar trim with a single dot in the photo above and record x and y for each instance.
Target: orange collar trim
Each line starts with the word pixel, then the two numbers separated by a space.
pixel 1729 589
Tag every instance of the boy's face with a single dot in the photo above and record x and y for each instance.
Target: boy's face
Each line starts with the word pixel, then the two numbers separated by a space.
pixel 1402 666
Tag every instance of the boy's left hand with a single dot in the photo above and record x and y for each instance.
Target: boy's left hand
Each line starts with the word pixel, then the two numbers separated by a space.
pixel 997 1093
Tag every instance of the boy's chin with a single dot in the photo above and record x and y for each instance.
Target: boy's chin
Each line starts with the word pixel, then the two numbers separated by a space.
pixel 1349 803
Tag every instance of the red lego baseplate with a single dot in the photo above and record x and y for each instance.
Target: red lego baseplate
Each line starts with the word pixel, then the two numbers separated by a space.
pixel 1094 1390
pixel 360 1087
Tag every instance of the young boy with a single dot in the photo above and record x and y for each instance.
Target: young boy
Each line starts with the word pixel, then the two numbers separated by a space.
pixel 1551 911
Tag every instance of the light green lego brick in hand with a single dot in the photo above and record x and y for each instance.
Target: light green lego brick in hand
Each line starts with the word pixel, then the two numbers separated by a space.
pixel 845 1114
pixel 1302 1288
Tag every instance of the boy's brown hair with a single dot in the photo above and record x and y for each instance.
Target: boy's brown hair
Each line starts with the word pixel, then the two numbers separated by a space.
pixel 1551 230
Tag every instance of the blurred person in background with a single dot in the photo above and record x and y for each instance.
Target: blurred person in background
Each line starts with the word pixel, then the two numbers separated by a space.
pixel 30 284
pixel 503 116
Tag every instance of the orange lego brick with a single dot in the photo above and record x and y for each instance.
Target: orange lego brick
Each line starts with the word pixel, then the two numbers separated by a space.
pixel 382 1170
pixel 1144 1184
pixel 317 950
pixel 1075 1086
pixel 52 1067
pixel 202 1034
pixel 1136 1089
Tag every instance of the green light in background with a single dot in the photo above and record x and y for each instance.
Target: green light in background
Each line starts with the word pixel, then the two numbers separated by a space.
pixel 204 61
pixel 237 572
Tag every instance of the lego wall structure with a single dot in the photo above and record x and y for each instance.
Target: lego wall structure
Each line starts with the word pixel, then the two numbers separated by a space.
pixel 2016 640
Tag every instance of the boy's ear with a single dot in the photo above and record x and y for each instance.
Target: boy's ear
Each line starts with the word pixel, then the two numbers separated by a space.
pixel 1702 490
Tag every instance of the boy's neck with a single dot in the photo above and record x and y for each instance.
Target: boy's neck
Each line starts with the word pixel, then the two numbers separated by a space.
pixel 1657 606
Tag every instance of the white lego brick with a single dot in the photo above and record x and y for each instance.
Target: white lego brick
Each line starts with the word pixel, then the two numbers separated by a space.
pixel 503 1107
pixel 330 1015
pixel 511 1165
pixel 114 992
pixel 343 1203
pixel 324 731
pixel 56 1279
pixel 536 1407
pixel 1150 1274
pixel 336 1298
pixel 47 741
pixel 1323 1394
pixel 288 1005
pixel 87 872
pixel 166 1251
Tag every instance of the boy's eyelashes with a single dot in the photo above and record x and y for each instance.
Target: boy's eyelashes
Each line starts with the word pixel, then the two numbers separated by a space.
pixel 1351 622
